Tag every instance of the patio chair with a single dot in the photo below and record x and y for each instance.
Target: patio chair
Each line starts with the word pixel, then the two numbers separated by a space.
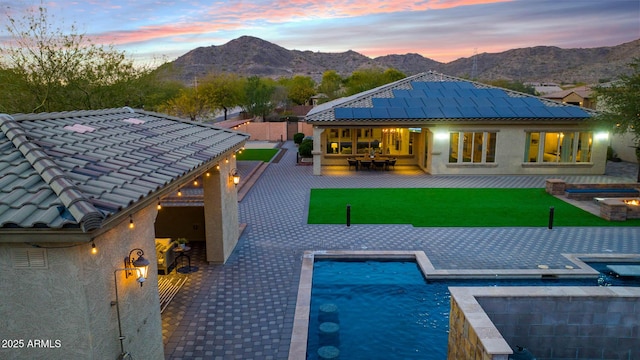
pixel 365 164
pixel 353 162
pixel 379 164
pixel 391 162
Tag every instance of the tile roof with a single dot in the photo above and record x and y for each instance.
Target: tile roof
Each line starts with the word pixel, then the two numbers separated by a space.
pixel 582 91
pixel 75 169
pixel 432 97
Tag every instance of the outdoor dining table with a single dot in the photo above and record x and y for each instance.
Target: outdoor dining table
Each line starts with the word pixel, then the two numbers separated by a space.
pixel 375 162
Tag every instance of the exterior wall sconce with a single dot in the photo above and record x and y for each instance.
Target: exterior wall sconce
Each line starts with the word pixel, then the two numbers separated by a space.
pixel 141 265
pixel 235 177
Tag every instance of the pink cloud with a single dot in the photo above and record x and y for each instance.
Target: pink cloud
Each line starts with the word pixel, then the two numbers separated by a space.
pixel 242 15
pixel 304 9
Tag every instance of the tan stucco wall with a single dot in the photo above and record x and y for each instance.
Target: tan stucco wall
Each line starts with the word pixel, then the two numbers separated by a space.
pixel 510 145
pixel 70 300
pixel 625 146
pixel 221 212
pixel 271 131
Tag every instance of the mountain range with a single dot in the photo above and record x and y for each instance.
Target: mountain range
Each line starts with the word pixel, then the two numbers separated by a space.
pixel 249 56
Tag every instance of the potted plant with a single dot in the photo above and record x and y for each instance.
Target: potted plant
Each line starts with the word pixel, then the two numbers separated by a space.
pixel 181 242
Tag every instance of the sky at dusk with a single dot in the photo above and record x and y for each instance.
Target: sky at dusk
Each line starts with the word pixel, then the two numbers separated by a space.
pixel 442 30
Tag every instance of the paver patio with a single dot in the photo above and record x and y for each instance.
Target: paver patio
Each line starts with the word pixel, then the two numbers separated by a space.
pixel 244 309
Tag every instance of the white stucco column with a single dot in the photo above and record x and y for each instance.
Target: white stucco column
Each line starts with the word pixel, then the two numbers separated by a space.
pixel 317 150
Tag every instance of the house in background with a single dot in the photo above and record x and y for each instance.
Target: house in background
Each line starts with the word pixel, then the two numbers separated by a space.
pixel 72 183
pixel 448 125
pixel 578 96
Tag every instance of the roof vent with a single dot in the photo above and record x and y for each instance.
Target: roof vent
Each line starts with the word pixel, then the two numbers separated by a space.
pixel 79 128
pixel 134 121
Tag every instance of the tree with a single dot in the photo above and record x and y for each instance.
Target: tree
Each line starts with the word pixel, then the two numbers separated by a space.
pixel 50 70
pixel 190 103
pixel 367 79
pixel 222 91
pixel 301 89
pixel 330 85
pixel 257 100
pixel 620 103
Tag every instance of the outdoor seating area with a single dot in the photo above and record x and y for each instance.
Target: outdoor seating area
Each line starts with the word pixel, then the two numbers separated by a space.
pixel 369 163
pixel 587 192
pixel 165 255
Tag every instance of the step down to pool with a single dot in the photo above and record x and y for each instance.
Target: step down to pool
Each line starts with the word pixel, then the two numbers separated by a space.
pixel 625 270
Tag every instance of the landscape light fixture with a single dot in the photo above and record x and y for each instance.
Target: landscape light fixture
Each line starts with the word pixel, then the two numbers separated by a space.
pixel 140 265
pixel 235 177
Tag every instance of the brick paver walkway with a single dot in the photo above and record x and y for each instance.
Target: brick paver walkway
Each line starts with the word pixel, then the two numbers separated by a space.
pixel 244 309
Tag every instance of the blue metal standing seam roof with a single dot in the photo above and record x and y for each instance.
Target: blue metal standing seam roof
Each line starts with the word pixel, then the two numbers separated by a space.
pixel 75 169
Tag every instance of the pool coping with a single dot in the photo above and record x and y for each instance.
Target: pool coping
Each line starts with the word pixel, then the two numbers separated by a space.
pixel 299 335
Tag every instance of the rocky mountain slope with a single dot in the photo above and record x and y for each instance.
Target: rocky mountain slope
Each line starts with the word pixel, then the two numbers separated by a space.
pixel 252 56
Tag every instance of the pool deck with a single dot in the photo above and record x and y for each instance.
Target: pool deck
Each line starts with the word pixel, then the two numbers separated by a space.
pixel 245 308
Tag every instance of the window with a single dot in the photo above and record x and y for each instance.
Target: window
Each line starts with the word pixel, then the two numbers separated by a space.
pixel 558 147
pixel 339 141
pixel 472 147
pixel 363 141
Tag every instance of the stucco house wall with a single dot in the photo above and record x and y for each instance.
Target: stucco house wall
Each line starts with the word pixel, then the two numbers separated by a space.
pixel 510 146
pixel 221 213
pixel 69 300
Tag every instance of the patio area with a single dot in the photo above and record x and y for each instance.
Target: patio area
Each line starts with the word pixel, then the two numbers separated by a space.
pixel 245 308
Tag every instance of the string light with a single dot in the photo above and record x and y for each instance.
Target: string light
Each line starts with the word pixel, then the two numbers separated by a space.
pixel 94 249
pixel 208 174
pixel 180 192
pixel 217 166
pixel 195 182
pixel 131 225
pixel 159 205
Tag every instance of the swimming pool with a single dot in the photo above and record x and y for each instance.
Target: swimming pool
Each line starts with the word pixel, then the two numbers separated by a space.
pixel 387 308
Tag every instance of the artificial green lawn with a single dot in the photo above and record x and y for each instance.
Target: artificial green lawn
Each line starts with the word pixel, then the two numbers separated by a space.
pixel 264 155
pixel 449 207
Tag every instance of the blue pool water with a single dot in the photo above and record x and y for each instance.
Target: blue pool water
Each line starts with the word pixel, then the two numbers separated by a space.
pixel 386 309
